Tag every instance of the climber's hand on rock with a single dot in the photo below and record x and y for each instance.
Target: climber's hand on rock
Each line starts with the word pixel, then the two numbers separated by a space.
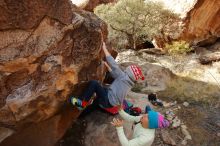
pixel 103 46
pixel 107 66
pixel 117 123
pixel 105 50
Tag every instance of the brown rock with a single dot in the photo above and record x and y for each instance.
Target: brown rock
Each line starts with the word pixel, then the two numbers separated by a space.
pixel 48 51
pixel 203 21
pixel 25 14
pixel 5 132
pixel 44 133
pixel 209 58
pixel 200 25
pixel 156 51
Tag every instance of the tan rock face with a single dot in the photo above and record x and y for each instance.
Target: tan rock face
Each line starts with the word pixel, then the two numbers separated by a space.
pixel 203 21
pixel 46 52
pixel 200 23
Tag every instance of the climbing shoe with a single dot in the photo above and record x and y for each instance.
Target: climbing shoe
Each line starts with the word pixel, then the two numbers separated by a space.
pixel 157 103
pixel 77 102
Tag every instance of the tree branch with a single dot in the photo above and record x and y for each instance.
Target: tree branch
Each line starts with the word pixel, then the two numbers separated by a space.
pixel 120 30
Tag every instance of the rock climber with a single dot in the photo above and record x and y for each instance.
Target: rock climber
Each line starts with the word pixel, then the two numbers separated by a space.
pixel 117 91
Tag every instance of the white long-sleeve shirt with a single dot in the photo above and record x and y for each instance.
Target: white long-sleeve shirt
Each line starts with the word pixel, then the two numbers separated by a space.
pixel 141 136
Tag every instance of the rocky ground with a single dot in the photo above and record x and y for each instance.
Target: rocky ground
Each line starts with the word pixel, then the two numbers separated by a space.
pixel 200 120
pixel 194 124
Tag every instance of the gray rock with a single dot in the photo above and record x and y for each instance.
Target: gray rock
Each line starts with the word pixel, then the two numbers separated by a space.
pixel 186 104
pixel 186 132
pixel 167 138
pixel 184 142
pixel 176 122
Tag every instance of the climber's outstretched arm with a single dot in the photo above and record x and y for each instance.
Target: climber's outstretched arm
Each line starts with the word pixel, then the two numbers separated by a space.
pixel 115 69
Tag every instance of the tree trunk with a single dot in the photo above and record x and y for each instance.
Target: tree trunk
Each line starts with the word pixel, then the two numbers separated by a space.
pixel 134 44
pixel 130 40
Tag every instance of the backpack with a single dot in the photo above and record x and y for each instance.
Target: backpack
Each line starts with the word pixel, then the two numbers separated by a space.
pixel 127 106
pixel 114 110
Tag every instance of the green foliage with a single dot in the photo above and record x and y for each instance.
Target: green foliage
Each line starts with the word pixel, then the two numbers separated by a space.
pixel 131 22
pixel 178 47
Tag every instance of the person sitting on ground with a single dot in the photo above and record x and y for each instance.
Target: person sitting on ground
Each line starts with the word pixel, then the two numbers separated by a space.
pixel 115 94
pixel 144 127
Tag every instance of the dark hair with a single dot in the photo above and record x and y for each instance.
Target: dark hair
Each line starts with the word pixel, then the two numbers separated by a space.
pixel 152 97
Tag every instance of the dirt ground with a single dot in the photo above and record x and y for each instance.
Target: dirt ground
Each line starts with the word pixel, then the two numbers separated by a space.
pixel 203 124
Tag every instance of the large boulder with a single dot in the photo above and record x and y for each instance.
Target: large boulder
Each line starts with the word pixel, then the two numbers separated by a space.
pixel 200 23
pixel 48 50
pixel 203 23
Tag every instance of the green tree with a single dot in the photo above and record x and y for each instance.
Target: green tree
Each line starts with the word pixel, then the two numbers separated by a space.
pixel 133 22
